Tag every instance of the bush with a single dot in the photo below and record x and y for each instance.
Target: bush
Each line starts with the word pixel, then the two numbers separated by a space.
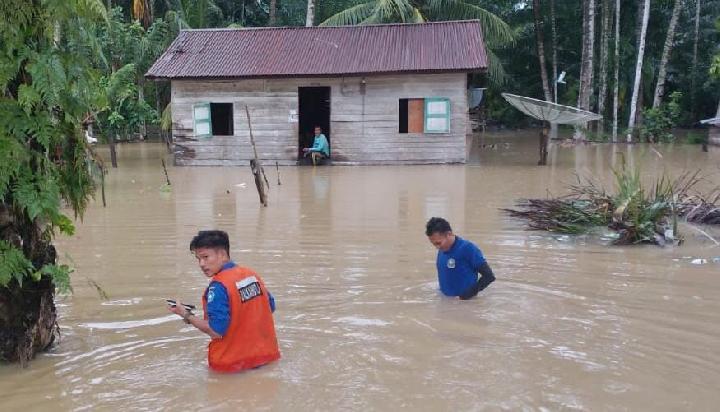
pixel 658 122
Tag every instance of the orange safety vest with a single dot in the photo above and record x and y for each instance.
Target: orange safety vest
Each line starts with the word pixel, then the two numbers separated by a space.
pixel 250 340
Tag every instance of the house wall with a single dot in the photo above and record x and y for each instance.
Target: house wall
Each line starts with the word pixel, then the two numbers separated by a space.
pixel 364 127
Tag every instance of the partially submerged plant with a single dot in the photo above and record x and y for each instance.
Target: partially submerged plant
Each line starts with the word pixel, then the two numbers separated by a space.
pixel 635 214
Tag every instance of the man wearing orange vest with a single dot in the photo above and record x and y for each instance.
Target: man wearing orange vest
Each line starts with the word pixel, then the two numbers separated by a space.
pixel 237 306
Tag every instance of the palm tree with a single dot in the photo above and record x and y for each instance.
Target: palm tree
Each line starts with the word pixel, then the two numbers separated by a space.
pixel 495 31
pixel 195 14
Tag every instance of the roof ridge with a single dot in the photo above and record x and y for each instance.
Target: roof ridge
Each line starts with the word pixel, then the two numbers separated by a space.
pixel 429 23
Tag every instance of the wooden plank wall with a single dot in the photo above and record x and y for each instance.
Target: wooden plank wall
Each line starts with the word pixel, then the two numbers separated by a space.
pixel 364 126
pixel 275 137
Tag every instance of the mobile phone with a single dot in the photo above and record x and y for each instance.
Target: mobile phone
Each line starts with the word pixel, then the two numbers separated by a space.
pixel 171 302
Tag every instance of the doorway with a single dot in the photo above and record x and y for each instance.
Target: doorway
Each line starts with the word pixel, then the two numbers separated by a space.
pixel 314 108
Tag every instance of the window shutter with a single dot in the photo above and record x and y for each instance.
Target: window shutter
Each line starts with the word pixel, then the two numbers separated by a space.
pixel 437 115
pixel 201 116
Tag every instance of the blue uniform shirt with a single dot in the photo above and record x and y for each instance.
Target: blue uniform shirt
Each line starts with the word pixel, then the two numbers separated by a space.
pixel 218 304
pixel 458 267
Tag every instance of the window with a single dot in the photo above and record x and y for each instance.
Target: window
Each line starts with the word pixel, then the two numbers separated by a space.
pixel 201 115
pixel 429 115
pixel 213 119
pixel 437 115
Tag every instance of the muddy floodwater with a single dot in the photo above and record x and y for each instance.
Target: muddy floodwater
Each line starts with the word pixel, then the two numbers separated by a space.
pixel 571 323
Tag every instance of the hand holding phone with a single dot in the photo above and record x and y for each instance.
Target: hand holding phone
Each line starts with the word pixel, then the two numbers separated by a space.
pixel 187 307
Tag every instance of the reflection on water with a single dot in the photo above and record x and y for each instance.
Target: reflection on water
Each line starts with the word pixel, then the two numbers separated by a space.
pixel 570 323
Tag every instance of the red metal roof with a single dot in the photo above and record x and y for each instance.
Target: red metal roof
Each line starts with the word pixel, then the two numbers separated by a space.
pixel 453 46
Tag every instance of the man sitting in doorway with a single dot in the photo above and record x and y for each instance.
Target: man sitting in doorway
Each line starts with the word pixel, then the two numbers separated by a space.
pixel 320 148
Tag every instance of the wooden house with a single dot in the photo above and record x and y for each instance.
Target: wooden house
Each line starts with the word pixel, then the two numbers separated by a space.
pixel 383 94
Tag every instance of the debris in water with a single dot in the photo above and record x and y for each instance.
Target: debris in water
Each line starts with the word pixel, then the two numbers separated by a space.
pixel 698 261
pixel 634 213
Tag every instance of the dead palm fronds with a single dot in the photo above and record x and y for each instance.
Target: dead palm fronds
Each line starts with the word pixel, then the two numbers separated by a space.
pixel 634 213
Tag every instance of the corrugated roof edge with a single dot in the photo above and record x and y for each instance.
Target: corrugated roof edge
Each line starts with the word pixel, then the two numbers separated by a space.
pixel 333 27
pixel 319 76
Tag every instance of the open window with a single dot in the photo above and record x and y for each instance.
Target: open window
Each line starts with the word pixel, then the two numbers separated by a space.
pixel 428 115
pixel 213 119
pixel 201 116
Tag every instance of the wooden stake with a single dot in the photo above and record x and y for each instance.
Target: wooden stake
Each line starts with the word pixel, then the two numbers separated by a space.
pixel 165 170
pixel 277 167
pixel 255 166
pixel 543 145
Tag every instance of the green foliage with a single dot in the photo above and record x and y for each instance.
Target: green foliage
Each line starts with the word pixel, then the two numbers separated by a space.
pixel 697 138
pixel 60 275
pixel 46 80
pixel 13 264
pixel 658 122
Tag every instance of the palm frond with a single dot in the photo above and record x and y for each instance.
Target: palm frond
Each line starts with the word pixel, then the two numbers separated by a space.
pixel 496 72
pixel 354 15
pixel 495 30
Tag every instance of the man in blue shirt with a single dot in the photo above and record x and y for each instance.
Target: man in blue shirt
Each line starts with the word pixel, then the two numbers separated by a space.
pixel 458 261
pixel 320 148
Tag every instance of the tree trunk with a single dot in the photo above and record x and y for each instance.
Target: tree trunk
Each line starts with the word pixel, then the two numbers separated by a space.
pixel 638 69
pixel 554 49
pixel 586 64
pixel 113 153
pixel 616 86
pixel 667 49
pixel 554 126
pixel 539 37
pixel 273 8
pixel 27 312
pixel 27 319
pixel 310 16
pixel 604 51
pixel 693 85
pixel 141 98
pixel 586 68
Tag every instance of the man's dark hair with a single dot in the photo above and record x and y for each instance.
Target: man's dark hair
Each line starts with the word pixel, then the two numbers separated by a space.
pixel 318 127
pixel 211 239
pixel 437 225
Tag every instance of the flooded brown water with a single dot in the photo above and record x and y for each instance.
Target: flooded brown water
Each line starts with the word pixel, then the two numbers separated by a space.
pixel 570 324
